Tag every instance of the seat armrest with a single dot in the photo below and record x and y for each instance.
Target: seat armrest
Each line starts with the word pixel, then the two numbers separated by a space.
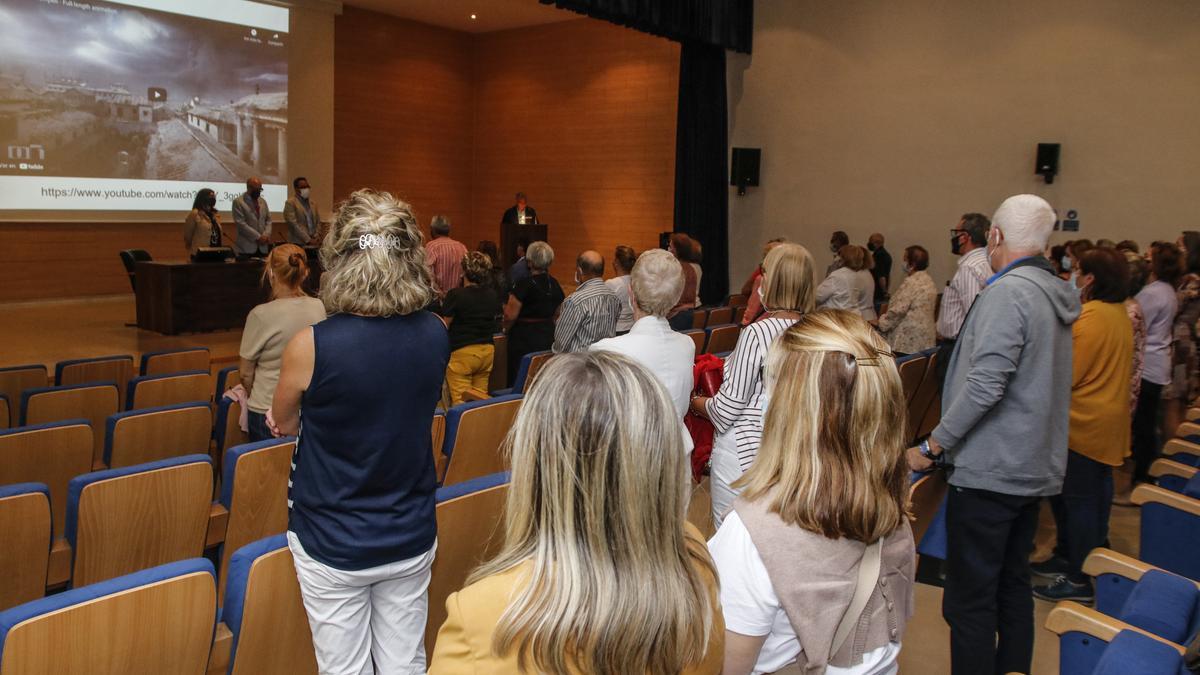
pixel 218 520
pixel 1070 616
pixel 1147 494
pixel 1167 467
pixel 473 394
pixel 222 646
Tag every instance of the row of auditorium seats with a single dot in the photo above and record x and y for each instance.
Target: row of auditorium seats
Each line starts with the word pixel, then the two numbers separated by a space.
pixel 173 618
pixel 1147 608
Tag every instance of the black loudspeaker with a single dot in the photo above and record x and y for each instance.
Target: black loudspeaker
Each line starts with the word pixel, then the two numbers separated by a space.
pixel 1047 161
pixel 744 171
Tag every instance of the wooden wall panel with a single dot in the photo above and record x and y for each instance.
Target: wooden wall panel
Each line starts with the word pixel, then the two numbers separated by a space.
pixel 402 112
pixel 579 115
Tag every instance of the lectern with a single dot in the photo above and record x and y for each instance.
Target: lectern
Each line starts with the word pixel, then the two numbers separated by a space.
pixel 511 233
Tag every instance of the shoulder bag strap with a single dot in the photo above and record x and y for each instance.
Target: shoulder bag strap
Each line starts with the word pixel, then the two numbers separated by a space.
pixel 868 577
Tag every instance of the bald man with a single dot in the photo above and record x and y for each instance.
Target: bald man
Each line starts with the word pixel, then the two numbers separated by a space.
pixel 590 313
pixel 253 220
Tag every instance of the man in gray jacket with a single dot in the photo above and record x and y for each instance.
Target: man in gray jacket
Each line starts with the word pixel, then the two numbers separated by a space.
pixel 253 220
pixel 1003 439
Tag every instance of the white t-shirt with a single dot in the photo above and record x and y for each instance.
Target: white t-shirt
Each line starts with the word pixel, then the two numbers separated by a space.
pixel 751 606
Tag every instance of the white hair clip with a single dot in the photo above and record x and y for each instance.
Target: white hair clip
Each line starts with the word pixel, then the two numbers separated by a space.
pixel 379 241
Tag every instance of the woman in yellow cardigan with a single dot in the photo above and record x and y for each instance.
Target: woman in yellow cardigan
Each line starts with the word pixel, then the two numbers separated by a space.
pixel 1099 434
pixel 600 572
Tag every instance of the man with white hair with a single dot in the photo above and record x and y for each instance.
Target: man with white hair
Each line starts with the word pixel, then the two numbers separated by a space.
pixel 1003 439
pixel 655 284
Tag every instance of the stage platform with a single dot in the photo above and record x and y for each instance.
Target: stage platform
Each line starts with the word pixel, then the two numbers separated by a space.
pixel 51 331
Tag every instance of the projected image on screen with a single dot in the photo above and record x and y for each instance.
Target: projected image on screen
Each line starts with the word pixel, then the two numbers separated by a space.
pixel 135 105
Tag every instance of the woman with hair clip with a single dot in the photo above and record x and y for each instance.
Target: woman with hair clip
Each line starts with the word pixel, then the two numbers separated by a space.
pixel 600 571
pixel 470 315
pixel 202 227
pixel 736 410
pixel 268 329
pixel 816 560
pixel 361 524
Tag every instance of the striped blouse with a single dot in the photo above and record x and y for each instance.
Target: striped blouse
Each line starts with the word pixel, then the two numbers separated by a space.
pixel 738 404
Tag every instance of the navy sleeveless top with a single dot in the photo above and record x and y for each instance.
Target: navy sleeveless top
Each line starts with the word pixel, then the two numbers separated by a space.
pixel 361 492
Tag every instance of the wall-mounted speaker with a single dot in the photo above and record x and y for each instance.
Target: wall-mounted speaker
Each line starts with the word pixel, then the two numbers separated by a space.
pixel 1047 161
pixel 744 172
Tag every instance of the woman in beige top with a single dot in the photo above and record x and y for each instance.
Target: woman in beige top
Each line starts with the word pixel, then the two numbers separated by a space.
pixel 268 329
pixel 822 511
pixel 909 323
pixel 202 227
pixel 600 571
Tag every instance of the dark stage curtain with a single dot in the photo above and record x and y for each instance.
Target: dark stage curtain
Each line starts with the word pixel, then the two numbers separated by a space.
pixel 701 141
pixel 726 23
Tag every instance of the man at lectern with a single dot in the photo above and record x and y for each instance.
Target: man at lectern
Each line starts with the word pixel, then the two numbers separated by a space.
pixel 253 220
pixel 521 214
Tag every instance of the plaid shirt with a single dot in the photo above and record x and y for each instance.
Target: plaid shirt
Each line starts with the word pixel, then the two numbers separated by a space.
pixel 445 256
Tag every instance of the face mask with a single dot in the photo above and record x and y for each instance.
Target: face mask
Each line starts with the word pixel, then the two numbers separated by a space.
pixel 255 193
pixel 762 297
pixel 993 246
pixel 871 247
pixel 576 277
pixel 211 202
pixel 304 193
pixel 833 249
pixel 1066 264
pixel 955 246
pixel 1075 281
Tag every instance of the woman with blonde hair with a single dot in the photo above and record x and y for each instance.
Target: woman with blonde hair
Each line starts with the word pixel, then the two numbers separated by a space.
pixel 361 524
pixel 816 560
pixel 268 329
pixel 470 314
pixel 850 286
pixel 600 571
pixel 736 410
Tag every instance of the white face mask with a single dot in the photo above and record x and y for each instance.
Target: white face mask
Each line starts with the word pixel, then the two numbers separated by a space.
pixel 576 277
pixel 304 193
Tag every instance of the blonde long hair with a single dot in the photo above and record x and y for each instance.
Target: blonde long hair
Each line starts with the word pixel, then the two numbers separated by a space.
pixel 832 454
pixel 789 279
pixel 374 258
pixel 597 508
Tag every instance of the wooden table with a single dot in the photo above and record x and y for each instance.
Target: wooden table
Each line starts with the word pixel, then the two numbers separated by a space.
pixel 185 297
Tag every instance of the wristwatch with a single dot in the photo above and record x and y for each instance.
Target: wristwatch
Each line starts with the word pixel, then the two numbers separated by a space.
pixel 927 453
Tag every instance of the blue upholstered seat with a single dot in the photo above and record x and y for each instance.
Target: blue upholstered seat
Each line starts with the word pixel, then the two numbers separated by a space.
pixel 522 375
pixel 471 486
pixel 1164 604
pixel 1131 653
pixel 455 415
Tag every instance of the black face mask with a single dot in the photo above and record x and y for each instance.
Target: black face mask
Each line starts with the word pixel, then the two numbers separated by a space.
pixel 871 247
pixel 211 202
pixel 955 246
pixel 254 194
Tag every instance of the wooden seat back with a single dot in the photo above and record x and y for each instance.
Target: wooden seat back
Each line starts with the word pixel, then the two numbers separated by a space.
pixel 25 553
pixel 719 315
pixel 722 338
pixel 14 380
pixel 126 520
pixel 159 621
pixel 92 402
pixel 176 361
pixel 117 368
pixel 151 434
pixel 475 433
pixel 470 517
pixel 254 489
pixel 153 391
pixel 51 454
pixel 265 612
pixel 912 371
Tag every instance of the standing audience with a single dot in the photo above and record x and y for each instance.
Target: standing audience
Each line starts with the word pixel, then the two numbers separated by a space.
pixel 1099 423
pixel 445 256
pixel 968 240
pixel 908 323
pixel 590 313
pixel 1185 365
pixel 681 314
pixel 361 525
pixel 470 315
pixel 268 329
pixel 822 518
pixel 497 278
pixel 531 308
pixel 1138 271
pixel 1003 436
pixel 736 410
pixel 1159 302
pixel 623 260
pixel 600 572
pixel 752 289
pixel 881 270
pixel 667 354
pixel 850 286
pixel 837 241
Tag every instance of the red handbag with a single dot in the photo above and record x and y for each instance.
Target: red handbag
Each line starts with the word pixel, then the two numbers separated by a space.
pixel 707 374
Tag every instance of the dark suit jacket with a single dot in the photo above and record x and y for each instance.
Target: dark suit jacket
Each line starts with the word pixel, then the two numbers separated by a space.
pixel 510 216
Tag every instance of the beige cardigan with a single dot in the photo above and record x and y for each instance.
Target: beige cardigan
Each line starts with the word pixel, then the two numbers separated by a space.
pixel 815 577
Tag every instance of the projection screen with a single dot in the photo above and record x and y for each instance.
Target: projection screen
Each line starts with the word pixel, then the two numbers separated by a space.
pixel 136 105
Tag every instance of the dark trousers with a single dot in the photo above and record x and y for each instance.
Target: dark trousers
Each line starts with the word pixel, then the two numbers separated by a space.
pixel 256 427
pixel 1081 512
pixel 1146 445
pixel 988 592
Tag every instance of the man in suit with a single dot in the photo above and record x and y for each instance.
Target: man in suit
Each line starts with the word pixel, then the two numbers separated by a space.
pixel 521 213
pixel 302 216
pixel 253 220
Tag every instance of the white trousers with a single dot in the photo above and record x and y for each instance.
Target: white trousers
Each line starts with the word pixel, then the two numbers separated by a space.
pixel 725 469
pixel 363 615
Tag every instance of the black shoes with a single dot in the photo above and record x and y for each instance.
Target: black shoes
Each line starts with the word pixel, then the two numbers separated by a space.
pixel 1050 568
pixel 1064 589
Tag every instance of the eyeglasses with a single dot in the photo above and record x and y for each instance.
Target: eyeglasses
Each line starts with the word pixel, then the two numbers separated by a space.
pixel 957 231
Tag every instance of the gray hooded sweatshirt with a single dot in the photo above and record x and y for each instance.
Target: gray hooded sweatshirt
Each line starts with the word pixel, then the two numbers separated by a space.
pixel 1007 396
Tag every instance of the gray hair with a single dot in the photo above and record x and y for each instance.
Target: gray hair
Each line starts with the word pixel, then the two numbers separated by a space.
pixel 539 255
pixel 374 258
pixel 1026 222
pixel 440 226
pixel 657 281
